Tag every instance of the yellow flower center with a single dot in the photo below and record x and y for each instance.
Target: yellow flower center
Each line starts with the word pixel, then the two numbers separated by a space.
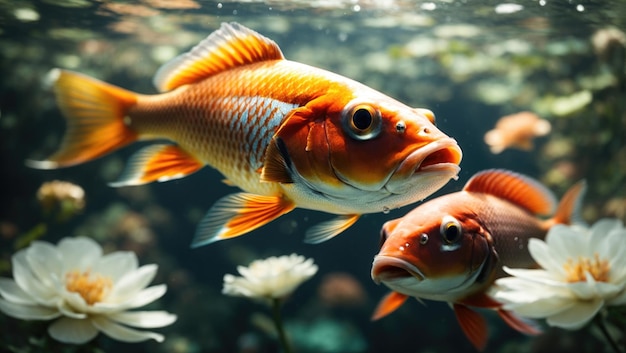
pixel 91 287
pixel 596 267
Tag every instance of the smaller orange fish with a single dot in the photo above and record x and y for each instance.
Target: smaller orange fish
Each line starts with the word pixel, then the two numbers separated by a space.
pixel 452 248
pixel 516 131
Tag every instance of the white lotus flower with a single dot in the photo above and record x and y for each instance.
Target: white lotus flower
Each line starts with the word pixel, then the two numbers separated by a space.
pixel 272 278
pixel 85 291
pixel 583 270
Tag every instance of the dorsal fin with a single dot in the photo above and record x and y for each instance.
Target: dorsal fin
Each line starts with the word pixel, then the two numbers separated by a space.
pixel 518 189
pixel 230 46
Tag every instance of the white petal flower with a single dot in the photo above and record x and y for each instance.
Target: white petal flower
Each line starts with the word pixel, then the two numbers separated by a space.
pixel 86 291
pixel 272 278
pixel 583 270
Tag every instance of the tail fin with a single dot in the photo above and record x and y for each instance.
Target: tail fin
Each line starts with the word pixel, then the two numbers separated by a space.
pixel 95 113
pixel 569 208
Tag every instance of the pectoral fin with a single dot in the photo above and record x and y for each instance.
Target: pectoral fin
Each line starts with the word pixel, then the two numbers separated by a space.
pixel 158 163
pixel 277 163
pixel 326 230
pixel 237 214
pixel 389 304
pixel 473 325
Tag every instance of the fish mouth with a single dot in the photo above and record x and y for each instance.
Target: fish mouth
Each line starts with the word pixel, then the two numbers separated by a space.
pixel 431 166
pixel 387 268
pixel 440 155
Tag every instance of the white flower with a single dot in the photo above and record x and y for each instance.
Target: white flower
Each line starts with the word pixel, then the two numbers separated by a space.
pixel 272 278
pixel 583 270
pixel 85 291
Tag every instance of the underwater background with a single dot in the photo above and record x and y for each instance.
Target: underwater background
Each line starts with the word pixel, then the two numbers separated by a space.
pixel 470 62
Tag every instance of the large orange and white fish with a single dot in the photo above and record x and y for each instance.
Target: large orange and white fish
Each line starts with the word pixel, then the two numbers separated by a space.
pixel 289 135
pixel 452 248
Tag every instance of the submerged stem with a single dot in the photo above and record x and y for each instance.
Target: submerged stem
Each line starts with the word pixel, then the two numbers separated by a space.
pixel 600 322
pixel 278 321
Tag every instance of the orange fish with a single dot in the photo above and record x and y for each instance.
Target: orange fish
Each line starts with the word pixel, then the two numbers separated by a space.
pixel 453 247
pixel 289 135
pixel 516 131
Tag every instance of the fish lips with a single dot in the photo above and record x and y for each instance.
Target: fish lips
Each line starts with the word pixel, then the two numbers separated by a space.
pixel 389 269
pixel 433 164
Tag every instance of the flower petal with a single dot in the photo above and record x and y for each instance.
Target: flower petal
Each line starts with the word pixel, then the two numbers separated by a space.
pixel 79 253
pixel 536 276
pixel 67 309
pixel 144 319
pixel 142 298
pixel 45 262
pixel 605 226
pixel 115 265
pixel 10 291
pixel 74 301
pixel 567 242
pixel 28 312
pixel 68 330
pixel 122 333
pixel 541 308
pixel 619 299
pixel 27 281
pixel 130 284
pixel 576 316
pixel 543 255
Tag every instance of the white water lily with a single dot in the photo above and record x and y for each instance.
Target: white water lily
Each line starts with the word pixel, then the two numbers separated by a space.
pixel 583 270
pixel 84 291
pixel 272 278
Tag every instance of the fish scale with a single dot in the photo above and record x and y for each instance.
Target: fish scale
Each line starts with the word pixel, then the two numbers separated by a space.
pixel 287 134
pixel 453 247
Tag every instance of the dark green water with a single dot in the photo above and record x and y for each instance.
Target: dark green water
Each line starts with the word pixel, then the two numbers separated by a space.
pixel 467 62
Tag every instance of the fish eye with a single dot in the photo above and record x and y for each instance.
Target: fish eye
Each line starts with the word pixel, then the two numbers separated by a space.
pixel 361 121
pixel 423 238
pixel 450 230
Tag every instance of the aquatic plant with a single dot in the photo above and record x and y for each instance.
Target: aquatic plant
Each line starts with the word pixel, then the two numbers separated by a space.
pixel 583 273
pixel 271 280
pixel 84 290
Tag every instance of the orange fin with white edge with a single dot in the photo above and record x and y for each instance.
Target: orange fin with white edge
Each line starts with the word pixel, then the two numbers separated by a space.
pixel 483 300
pixel 518 189
pixel 569 209
pixel 232 45
pixel 95 112
pixel 473 325
pixel 518 323
pixel 389 304
pixel 160 162
pixel 237 214
pixel 323 231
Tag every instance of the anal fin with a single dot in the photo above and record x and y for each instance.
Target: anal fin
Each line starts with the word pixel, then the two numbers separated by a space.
pixel 326 230
pixel 389 304
pixel 160 162
pixel 237 214
pixel 473 325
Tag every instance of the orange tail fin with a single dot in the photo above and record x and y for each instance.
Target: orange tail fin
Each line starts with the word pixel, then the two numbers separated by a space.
pixel 95 113
pixel 569 208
